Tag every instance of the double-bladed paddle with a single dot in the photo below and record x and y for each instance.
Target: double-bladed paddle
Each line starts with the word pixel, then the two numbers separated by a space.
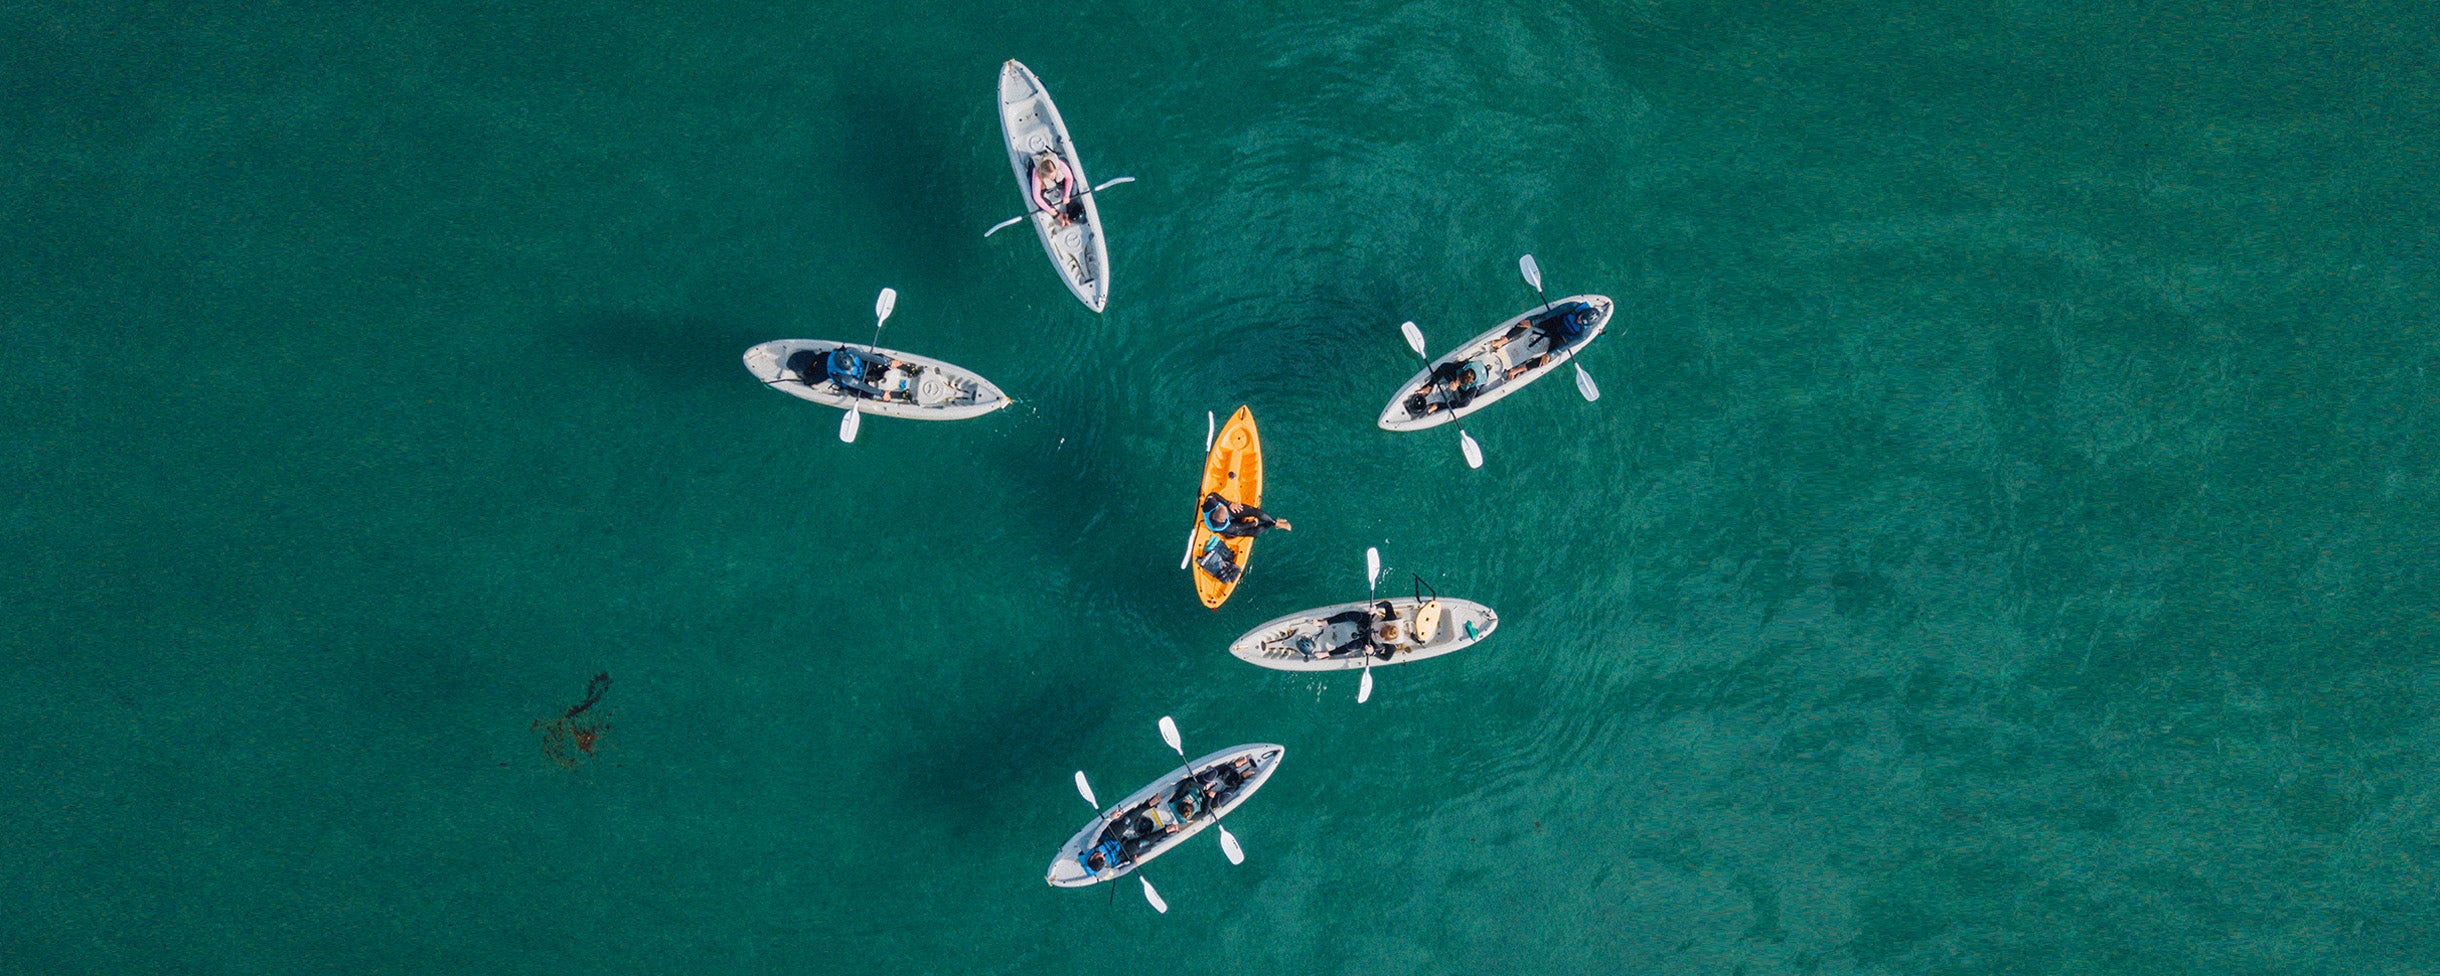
pixel 1085 790
pixel 1211 425
pixel 1228 841
pixel 1372 582
pixel 882 307
pixel 1533 276
pixel 1465 441
pixel 1005 224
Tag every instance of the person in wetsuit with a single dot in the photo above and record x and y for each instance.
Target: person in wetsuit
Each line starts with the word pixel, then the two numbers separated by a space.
pixel 1364 619
pixel 1558 329
pixel 845 365
pixel 1238 520
pixel 1456 383
pixel 1190 800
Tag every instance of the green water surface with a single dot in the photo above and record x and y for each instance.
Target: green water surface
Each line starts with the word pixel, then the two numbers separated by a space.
pixel 2005 543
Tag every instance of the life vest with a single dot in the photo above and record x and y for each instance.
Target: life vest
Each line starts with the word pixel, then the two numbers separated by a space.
pixel 1571 325
pixel 1109 857
pixel 845 365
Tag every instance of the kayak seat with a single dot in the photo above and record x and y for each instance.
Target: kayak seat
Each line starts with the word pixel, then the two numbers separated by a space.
pixel 807 365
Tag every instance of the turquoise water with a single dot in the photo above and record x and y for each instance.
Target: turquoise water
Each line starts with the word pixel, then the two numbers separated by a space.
pixel 2005 543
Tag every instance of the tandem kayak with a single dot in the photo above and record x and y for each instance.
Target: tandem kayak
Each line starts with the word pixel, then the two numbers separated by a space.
pixel 1058 198
pixel 1163 815
pixel 1497 363
pixel 883 382
pixel 1332 638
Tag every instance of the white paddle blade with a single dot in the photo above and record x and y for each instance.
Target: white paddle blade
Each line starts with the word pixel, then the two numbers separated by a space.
pixel 1228 846
pixel 1085 790
pixel 1372 566
pixel 1189 558
pixel 1584 385
pixel 1364 687
pixel 1474 451
pixel 1211 428
pixel 1153 896
pixel 1169 734
pixel 883 306
pixel 1532 271
pixel 1004 225
pixel 1414 337
pixel 1106 184
pixel 849 424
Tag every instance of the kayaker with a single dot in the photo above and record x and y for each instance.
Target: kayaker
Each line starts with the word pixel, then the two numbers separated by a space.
pixel 1386 638
pixel 1456 383
pixel 1238 520
pixel 1189 801
pixel 1364 619
pixel 1558 328
pixel 1051 186
pixel 1101 856
pixel 846 363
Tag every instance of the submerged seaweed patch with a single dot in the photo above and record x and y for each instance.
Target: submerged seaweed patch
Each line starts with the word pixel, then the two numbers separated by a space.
pixel 573 736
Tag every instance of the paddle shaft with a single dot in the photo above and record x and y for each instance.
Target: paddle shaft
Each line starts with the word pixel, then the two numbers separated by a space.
pixel 1114 181
pixel 1465 441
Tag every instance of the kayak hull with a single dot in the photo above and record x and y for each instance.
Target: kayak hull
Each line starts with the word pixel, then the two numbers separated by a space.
pixel 1066 871
pixel 935 391
pixel 1234 470
pixel 1030 126
pixel 1274 645
pixel 1477 350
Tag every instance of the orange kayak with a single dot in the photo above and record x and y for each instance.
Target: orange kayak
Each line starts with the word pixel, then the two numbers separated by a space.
pixel 1234 469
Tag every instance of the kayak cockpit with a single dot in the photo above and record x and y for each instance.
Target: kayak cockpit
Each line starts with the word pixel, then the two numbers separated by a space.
pixel 1055 191
pixel 1052 180
pixel 1145 826
pixel 1381 630
pixel 1374 633
pixel 875 375
pixel 1530 343
pixel 1350 633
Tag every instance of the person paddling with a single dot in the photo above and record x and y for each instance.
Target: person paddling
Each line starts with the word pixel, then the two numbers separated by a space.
pixel 1052 188
pixel 1452 386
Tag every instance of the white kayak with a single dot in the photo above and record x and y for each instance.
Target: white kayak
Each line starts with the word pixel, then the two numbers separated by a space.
pixel 1058 201
pixel 1539 341
pixel 1163 815
pixel 1331 638
pixel 883 382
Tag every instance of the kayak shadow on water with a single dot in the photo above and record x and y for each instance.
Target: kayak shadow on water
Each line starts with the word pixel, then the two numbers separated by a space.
pixel 911 177
pixel 1020 747
pixel 1121 610
pixel 681 351
pixel 1101 506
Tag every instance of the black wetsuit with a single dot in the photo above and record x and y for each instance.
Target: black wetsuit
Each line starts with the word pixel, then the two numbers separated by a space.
pixel 1363 618
pixel 1555 328
pixel 1242 524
